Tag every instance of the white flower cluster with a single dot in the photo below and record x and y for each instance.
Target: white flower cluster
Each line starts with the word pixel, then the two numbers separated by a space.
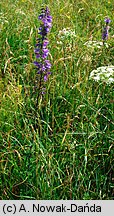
pixel 95 44
pixel 103 74
pixel 66 34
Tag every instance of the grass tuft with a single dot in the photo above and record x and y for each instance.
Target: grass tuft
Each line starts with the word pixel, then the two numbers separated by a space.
pixel 69 155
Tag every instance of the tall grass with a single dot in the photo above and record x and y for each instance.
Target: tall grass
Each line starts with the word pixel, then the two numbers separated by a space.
pixel 70 154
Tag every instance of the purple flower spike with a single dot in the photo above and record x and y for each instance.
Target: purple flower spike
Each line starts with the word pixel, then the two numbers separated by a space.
pixel 106 29
pixel 43 65
pixel 105 33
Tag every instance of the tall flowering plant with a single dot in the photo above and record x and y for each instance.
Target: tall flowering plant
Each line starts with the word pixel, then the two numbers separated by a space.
pixel 106 29
pixel 41 51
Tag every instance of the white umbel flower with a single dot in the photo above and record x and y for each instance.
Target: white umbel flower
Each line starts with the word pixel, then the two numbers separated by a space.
pixel 95 44
pixel 103 74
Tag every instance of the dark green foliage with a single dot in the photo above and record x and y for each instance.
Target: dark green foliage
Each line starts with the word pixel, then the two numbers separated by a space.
pixel 64 148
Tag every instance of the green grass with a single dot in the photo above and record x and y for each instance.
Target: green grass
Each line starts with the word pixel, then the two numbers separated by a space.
pixel 70 154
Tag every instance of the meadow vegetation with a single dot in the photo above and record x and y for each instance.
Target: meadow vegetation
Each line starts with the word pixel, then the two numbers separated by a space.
pixel 63 148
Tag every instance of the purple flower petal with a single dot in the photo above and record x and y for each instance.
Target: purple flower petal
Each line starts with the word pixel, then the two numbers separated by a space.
pixel 37 64
pixel 47 64
pixel 107 20
pixel 45 43
pixel 38 56
pixel 36 51
pixel 45 77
